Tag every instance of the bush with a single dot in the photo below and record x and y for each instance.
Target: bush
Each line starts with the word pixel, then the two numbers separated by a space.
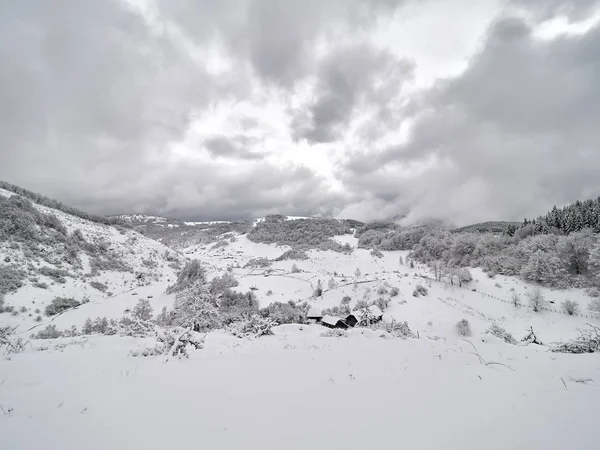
pixel 191 274
pixel 100 286
pixel 501 333
pixel 376 253
pixel 420 290
pixel 395 328
pixel 61 304
pixel 173 342
pixel 346 299
pixel 394 291
pixel 338 311
pixel 218 285
pixel 252 326
pixel 381 290
pixel 536 299
pixel 196 308
pixel 299 255
pixel 463 327
pixel 257 263
pixel 588 341
pixel 284 313
pixel 295 269
pixel 234 306
pixel 319 290
pixel 142 310
pixel 595 305
pixel 11 279
pixel 40 285
pixel 515 299
pixel 8 342
pixel 56 275
pixel 570 307
pixel 382 303
pixel 50 332
pixel 334 332
pixel 361 304
pixel 100 325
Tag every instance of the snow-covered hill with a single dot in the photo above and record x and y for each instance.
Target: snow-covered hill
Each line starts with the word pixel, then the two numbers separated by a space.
pixel 304 385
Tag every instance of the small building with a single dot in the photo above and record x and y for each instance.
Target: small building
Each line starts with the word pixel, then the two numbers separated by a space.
pixel 333 322
pixel 314 314
pixel 352 319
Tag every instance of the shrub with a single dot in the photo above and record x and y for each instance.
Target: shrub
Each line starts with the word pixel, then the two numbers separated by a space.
pixel 357 273
pixel 252 326
pixel 420 290
pixel 595 305
pixel 50 332
pixel 269 292
pixel 8 342
pixel 191 274
pixel 501 333
pixel 234 306
pixel 376 253
pixel 319 290
pixel 218 285
pixel 334 332
pixel 515 299
pixel 100 325
pixel 381 290
pixel 395 328
pixel 40 285
pixel 331 284
pixel 570 307
pixel 299 255
pixel 536 299
pixel 346 299
pixel 588 341
pixel 142 310
pixel 173 342
pixel 100 286
pixel 463 327
pixel 196 308
pixel 258 263
pixel 38 318
pixel 361 304
pixel 394 291
pixel 60 304
pixel 339 311
pixel 382 303
pixel 23 309
pixel 56 275
pixel 11 279
pixel 284 313
pixel 295 269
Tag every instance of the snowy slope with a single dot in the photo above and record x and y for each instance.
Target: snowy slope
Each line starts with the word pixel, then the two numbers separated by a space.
pixel 152 267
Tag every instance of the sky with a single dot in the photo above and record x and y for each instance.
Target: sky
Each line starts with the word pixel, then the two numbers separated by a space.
pixel 459 110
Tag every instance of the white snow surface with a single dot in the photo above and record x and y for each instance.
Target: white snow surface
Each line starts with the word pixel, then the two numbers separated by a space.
pixel 298 389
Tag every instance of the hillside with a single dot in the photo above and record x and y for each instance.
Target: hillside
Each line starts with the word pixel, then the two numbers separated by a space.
pixel 223 349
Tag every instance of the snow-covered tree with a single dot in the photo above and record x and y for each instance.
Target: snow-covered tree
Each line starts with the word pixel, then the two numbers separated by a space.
pixel 545 269
pixel 195 308
pixel 142 310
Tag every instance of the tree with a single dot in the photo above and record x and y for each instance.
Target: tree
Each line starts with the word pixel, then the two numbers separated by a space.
pixel 570 307
pixel 142 310
pixel 357 273
pixel 536 299
pixel 515 300
pixel 545 269
pixel 195 308
pixel 319 289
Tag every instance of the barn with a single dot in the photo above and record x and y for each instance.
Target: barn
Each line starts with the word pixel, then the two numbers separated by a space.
pixel 314 314
pixel 352 319
pixel 333 322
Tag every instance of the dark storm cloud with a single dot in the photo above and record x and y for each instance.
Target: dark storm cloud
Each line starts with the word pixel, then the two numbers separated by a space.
pixel 351 77
pixel 544 9
pixel 514 134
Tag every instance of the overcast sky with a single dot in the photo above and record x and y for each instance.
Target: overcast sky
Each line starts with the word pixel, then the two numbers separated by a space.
pixel 463 110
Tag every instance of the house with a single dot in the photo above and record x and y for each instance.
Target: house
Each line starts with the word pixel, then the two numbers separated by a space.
pixel 333 322
pixel 352 319
pixel 314 314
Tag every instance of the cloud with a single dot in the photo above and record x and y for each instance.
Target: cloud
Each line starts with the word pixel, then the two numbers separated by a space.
pixel 224 147
pixel 511 136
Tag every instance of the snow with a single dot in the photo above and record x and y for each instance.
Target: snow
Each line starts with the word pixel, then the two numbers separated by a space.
pixel 297 389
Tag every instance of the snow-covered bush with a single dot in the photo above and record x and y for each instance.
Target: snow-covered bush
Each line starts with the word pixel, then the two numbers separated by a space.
pixel 395 328
pixel 296 254
pixel 60 304
pixel 382 290
pixel 318 290
pixel 11 279
pixel 100 286
pixel 361 304
pixel 195 308
pixel 588 341
pixel 515 299
pixel 420 290
pixel 501 333
pixel 142 310
pixel 193 273
pixel 218 285
pixel 50 332
pixel 376 253
pixel 258 263
pixel 536 299
pixel 331 284
pixel 463 327
pixel 284 313
pixel 394 291
pixel 56 275
pixel 295 269
pixel 233 306
pixel 382 302
pixel 252 326
pixel 334 332
pixel 346 299
pixel 531 338
pixel 135 327
pixel 100 325
pixel 173 342
pixel 341 310
pixel 594 305
pixel 8 342
pixel 571 307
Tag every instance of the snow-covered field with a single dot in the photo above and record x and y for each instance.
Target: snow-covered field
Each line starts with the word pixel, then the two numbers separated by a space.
pixel 298 389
